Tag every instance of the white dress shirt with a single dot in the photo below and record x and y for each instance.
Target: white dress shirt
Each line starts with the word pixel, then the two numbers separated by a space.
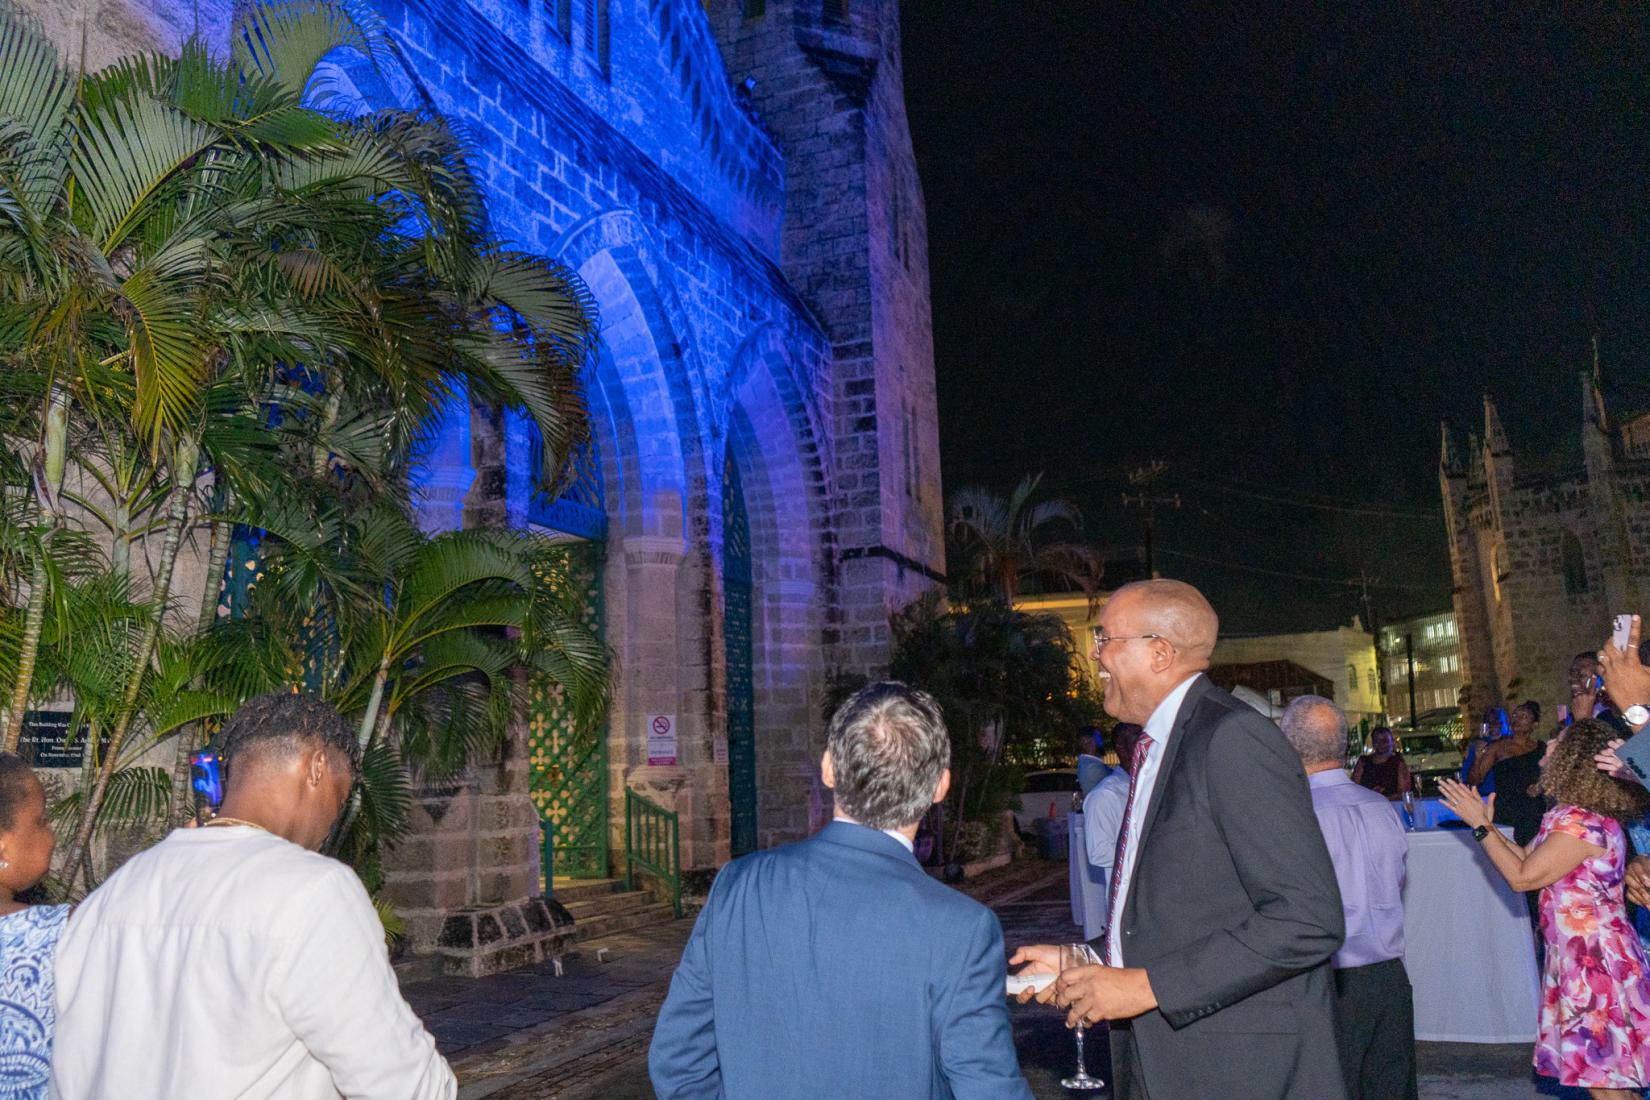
pixel 1103 820
pixel 228 963
pixel 1158 727
pixel 906 842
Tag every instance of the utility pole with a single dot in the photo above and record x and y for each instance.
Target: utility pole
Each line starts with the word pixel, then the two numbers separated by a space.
pixel 1409 655
pixel 1147 501
pixel 1363 580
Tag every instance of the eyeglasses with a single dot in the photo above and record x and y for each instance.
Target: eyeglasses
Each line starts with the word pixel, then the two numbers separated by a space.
pixel 1102 639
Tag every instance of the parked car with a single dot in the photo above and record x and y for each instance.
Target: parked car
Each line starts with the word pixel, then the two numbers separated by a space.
pixel 1057 785
pixel 1431 755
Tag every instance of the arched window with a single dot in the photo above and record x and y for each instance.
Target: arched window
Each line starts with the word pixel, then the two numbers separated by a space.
pixel 1575 565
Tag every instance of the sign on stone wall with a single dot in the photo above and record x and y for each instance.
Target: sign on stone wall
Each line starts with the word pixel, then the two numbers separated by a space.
pixel 661 739
pixel 45 740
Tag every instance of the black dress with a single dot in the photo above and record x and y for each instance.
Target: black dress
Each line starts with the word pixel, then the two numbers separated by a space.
pixel 1514 805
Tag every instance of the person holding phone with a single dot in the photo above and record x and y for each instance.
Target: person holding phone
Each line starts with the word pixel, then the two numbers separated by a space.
pixel 1626 674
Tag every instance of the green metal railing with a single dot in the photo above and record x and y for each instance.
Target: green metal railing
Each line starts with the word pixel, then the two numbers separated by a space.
pixel 547 855
pixel 653 843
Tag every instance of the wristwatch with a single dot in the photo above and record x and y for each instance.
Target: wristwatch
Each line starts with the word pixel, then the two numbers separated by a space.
pixel 1479 832
pixel 1636 716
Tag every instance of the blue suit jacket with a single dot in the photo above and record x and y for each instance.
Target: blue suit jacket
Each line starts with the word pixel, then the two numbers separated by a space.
pixel 837 968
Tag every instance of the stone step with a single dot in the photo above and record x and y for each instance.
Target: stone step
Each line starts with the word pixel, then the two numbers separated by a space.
pixel 609 905
pixel 645 917
pixel 570 890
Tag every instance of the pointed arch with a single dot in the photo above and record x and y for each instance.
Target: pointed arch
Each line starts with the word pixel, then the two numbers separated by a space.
pixel 772 447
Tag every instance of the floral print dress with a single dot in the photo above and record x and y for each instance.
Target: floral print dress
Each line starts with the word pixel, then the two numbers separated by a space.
pixel 1595 996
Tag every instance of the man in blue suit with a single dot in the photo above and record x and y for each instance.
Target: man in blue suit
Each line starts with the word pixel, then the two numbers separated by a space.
pixel 835 967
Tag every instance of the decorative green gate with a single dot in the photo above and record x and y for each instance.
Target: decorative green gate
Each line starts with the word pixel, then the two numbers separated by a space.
pixel 567 762
pixel 736 583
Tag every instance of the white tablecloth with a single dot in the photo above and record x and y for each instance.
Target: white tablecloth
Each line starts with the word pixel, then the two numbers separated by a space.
pixel 1088 889
pixel 1468 944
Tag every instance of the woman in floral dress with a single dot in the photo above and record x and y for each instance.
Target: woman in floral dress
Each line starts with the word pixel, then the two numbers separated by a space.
pixel 1595 1000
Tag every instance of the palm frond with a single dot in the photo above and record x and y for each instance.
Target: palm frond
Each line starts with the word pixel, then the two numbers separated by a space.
pixel 285 41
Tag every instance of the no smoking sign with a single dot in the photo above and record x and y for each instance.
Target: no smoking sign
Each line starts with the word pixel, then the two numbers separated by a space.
pixel 661 739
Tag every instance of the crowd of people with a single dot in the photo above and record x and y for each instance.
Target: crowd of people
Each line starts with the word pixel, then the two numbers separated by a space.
pixel 1252 939
pixel 1253 935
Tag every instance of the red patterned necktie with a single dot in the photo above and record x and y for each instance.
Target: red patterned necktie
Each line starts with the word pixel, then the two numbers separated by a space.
pixel 1141 747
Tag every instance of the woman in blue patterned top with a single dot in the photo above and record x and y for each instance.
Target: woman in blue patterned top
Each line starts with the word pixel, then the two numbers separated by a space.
pixel 28 935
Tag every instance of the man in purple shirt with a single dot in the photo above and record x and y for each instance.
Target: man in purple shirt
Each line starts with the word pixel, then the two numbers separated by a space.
pixel 1374 1008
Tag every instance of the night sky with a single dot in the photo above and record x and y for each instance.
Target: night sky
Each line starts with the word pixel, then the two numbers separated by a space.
pixel 1274 250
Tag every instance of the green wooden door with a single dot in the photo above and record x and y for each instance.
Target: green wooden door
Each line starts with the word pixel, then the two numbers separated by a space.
pixel 736 581
pixel 568 762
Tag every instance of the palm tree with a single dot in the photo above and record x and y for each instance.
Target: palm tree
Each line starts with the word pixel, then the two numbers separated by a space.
pixel 207 288
pixel 1000 544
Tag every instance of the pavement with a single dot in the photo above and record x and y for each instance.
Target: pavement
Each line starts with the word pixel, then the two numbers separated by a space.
pixel 582 1035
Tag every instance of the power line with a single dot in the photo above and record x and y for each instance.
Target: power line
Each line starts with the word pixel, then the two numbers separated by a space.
pixel 1296 502
pixel 1291 498
pixel 1340 582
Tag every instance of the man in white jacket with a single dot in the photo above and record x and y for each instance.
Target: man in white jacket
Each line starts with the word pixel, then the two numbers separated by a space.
pixel 234 962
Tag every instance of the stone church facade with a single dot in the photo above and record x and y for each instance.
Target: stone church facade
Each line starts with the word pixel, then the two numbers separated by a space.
pixel 1540 564
pixel 734 181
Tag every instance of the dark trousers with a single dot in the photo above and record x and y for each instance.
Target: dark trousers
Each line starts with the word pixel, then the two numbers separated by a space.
pixel 1375 1031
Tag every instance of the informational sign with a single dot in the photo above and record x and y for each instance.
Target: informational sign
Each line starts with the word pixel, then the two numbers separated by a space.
pixel 719 751
pixel 45 740
pixel 661 739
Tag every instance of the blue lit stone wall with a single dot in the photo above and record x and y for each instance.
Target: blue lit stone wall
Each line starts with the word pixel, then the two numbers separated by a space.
pixel 657 185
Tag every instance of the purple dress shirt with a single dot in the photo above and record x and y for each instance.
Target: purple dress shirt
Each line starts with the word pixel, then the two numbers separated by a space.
pixel 1367 846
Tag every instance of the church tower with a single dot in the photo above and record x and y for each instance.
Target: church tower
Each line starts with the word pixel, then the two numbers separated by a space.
pixel 1471 603
pixel 825 77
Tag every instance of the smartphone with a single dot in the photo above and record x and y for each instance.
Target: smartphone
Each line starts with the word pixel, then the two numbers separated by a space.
pixel 206 779
pixel 1623 630
pixel 1017 983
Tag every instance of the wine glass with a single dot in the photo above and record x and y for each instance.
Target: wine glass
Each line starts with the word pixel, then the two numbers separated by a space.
pixel 1074 955
pixel 1409 809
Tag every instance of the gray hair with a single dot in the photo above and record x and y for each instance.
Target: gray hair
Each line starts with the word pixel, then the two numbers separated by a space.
pixel 889 747
pixel 1316 728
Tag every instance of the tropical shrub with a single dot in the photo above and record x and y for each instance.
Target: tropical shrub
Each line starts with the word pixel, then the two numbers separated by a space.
pixel 227 313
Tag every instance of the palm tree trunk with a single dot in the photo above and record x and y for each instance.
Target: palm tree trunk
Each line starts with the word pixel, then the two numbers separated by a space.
pixel 370 719
pixel 48 484
pixel 217 556
pixel 186 457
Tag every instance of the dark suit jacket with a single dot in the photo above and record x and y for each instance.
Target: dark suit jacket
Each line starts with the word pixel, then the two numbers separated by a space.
pixel 1234 912
pixel 837 968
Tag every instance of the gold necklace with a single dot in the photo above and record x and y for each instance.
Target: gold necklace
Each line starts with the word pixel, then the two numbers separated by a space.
pixel 233 821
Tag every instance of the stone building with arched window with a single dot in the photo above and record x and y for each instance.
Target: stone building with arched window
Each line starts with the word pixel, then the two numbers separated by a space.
pixel 1540 564
pixel 735 183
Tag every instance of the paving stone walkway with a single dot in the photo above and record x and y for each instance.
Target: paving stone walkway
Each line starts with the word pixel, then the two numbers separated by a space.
pixel 583 1035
